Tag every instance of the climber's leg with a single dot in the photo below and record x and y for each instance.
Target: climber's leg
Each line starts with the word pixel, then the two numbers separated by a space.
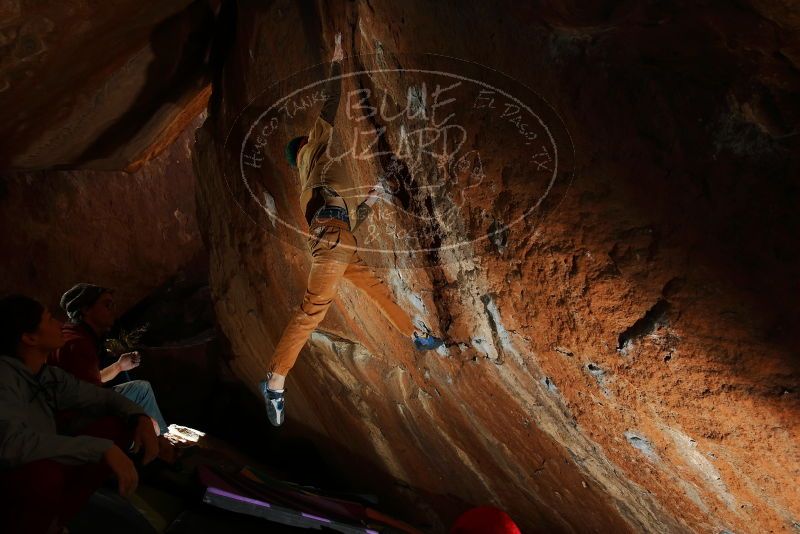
pixel 332 247
pixel 364 278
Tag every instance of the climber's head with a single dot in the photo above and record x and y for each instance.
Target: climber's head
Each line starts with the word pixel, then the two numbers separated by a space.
pixel 293 148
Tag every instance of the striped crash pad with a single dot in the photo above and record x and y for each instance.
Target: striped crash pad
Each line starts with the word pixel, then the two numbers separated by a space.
pixel 253 493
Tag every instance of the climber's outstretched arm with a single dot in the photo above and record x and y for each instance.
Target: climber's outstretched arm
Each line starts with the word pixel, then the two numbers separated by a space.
pixel 363 211
pixel 333 86
pixel 365 208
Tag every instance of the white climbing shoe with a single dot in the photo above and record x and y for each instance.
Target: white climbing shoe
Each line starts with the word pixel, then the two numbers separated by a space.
pixel 275 402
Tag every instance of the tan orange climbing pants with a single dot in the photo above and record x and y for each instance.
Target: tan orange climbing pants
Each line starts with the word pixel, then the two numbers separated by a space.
pixel 334 255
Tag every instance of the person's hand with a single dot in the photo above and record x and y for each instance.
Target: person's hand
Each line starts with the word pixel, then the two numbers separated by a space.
pixel 128 361
pixel 145 436
pixel 375 194
pixel 338 53
pixel 123 469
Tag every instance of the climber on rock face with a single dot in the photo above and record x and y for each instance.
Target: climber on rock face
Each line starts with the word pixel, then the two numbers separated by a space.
pixel 332 246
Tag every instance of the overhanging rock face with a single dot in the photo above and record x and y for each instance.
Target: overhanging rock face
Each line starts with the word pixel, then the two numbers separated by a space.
pixel 581 215
pixel 128 231
pixel 100 85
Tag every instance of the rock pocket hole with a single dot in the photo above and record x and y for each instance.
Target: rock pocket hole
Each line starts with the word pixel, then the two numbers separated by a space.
pixel 654 317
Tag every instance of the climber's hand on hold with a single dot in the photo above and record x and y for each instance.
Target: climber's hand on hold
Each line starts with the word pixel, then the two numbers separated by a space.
pixel 338 53
pixel 375 194
pixel 390 184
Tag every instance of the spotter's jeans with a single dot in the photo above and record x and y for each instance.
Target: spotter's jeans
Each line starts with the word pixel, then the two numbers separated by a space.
pixel 141 392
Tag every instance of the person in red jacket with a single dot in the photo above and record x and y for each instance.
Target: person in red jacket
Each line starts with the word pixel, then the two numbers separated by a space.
pixel 90 309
